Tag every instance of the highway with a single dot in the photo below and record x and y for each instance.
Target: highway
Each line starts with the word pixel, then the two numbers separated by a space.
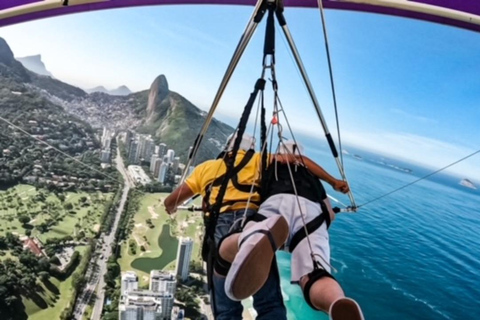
pixel 98 264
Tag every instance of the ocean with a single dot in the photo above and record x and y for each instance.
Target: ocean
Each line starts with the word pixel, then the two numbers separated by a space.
pixel 414 254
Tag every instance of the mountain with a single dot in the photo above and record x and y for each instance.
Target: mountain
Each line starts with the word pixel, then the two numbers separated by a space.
pixel 165 114
pixel 101 89
pixel 175 121
pixel 35 64
pixel 120 91
pixel 56 88
pixel 10 68
pixel 23 105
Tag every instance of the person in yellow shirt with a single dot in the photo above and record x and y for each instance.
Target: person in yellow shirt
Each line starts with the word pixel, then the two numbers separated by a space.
pixel 241 198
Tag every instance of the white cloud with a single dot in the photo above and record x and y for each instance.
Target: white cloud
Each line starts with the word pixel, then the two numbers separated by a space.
pixel 414 117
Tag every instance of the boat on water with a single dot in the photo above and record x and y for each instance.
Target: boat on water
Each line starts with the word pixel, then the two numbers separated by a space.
pixel 467 183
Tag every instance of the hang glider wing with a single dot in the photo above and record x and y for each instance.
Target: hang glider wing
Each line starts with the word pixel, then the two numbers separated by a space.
pixel 460 13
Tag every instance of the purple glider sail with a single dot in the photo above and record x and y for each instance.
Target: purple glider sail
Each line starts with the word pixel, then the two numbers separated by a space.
pixel 460 13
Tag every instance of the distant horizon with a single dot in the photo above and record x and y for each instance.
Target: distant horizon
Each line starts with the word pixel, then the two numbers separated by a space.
pixel 368 155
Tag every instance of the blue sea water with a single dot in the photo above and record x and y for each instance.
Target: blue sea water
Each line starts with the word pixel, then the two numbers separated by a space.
pixel 412 255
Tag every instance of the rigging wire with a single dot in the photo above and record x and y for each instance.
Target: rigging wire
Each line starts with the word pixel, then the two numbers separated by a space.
pixel 276 104
pixel 422 178
pixel 318 110
pixel 262 150
pixel 330 70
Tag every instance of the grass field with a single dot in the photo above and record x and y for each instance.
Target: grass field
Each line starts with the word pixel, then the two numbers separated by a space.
pixel 161 241
pixel 45 207
pixel 66 215
pixel 49 303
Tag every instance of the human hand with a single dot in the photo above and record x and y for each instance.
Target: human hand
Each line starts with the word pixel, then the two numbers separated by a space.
pixel 170 209
pixel 341 186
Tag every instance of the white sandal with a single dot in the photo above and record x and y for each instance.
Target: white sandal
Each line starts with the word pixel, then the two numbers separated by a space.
pixel 252 264
pixel 345 309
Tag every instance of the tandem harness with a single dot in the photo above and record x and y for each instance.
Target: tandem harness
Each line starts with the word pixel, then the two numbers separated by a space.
pixel 278 180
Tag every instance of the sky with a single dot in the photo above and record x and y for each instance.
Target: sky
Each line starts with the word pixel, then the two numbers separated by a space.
pixel 405 88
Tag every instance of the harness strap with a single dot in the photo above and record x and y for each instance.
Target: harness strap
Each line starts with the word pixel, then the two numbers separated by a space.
pixel 235 170
pixel 232 202
pixel 311 227
pixel 221 266
pixel 267 233
pixel 313 276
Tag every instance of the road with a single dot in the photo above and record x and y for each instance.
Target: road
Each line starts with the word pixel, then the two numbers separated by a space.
pixel 98 264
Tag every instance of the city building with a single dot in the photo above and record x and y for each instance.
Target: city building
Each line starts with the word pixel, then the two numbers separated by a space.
pixel 184 253
pixel 171 155
pixel 146 305
pixel 106 139
pixel 153 158
pixel 129 282
pixel 138 175
pixel 162 172
pixel 149 149
pixel 34 245
pixel 129 312
pixel 142 141
pixel 162 150
pixel 128 139
pixel 156 169
pixel 133 152
pixel 161 281
pixel 166 159
pixel 105 156
pixel 175 164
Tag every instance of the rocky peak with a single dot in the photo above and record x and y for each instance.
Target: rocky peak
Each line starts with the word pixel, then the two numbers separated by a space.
pixel 11 68
pixel 158 92
pixel 6 54
pixel 34 63
pixel 159 86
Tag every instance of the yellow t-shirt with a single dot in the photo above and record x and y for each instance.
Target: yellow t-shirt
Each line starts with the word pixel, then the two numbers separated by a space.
pixel 204 174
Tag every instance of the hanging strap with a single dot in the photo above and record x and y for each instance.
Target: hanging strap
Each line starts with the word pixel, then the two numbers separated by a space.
pixel 310 227
pixel 259 86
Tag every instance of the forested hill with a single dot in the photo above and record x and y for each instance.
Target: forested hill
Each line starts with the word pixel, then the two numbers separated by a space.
pixel 24 156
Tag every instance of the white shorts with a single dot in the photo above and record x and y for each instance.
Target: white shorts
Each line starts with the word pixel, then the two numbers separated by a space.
pixel 288 206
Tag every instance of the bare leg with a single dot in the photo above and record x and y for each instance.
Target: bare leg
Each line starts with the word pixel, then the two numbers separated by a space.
pixel 327 295
pixel 229 247
pixel 323 292
pixel 252 262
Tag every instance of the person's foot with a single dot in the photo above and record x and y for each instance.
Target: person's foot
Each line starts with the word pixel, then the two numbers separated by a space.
pixel 345 309
pixel 251 266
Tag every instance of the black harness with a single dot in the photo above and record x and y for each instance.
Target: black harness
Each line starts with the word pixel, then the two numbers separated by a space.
pixel 246 188
pixel 307 186
pixel 213 209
